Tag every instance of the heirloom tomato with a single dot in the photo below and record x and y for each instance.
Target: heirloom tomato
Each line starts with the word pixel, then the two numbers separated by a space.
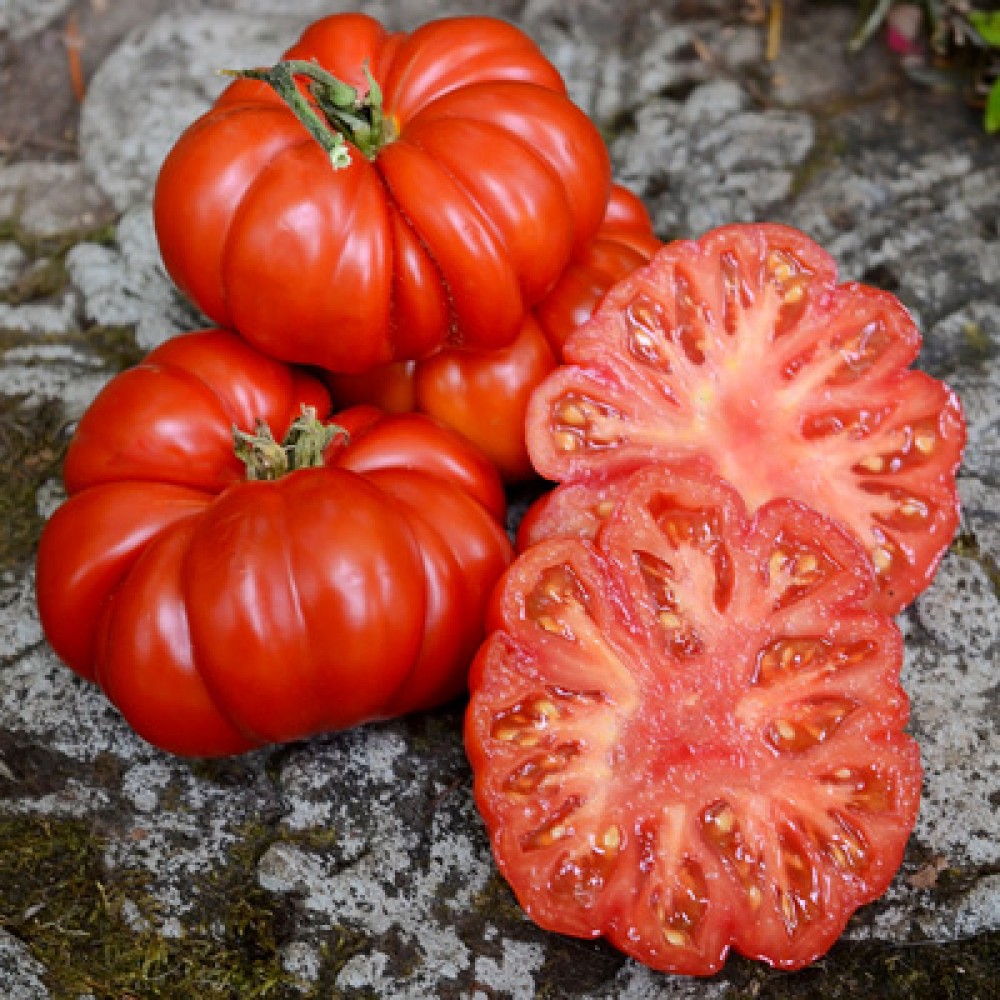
pixel 484 393
pixel 743 348
pixel 226 590
pixel 687 733
pixel 376 195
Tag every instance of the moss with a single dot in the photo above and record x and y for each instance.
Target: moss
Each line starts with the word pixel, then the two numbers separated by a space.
pixel 60 899
pixel 966 544
pixel 32 442
pixel 964 970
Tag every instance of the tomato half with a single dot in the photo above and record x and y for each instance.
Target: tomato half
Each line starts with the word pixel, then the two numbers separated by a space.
pixel 687 734
pixel 742 347
pixel 484 394
pixel 220 612
pixel 435 201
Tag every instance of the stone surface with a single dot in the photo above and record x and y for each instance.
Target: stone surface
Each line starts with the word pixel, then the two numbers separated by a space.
pixel 355 865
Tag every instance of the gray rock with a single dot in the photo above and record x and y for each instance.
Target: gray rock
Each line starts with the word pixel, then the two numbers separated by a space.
pixel 126 284
pixel 20 974
pixel 50 199
pixel 12 263
pixel 23 18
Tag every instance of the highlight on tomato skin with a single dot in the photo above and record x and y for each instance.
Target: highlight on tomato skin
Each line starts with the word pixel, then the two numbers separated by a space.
pixel 232 570
pixel 745 348
pixel 687 731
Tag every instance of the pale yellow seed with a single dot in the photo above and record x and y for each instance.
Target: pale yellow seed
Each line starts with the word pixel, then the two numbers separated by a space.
pixel 913 508
pixel 787 655
pixel 611 839
pixel 546 709
pixel 565 441
pixel 506 734
pixel 669 620
pixel 604 509
pixel 882 558
pixel 924 443
pixel 675 938
pixel 838 855
pixel 872 463
pixel 573 415
pixel 788 908
pixel 777 563
pixel 807 564
pixel 794 294
pixel 725 820
pixel 785 730
pixel 643 339
pixel 549 624
pixel 756 896
pixel 843 774
pixel 782 270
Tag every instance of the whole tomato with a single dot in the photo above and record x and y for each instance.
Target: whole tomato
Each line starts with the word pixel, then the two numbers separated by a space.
pixel 484 394
pixel 376 195
pixel 226 590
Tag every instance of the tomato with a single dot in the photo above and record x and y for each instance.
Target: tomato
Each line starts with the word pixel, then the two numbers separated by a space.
pixel 742 347
pixel 687 733
pixel 434 201
pixel 484 394
pixel 223 601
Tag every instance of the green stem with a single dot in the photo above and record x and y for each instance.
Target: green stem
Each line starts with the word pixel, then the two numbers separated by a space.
pixel 337 111
pixel 303 448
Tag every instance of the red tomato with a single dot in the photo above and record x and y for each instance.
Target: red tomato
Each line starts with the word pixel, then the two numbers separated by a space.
pixel 743 348
pixel 687 734
pixel 484 394
pixel 220 612
pixel 466 181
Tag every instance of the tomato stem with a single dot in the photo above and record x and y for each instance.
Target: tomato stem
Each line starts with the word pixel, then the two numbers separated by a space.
pixel 337 111
pixel 303 448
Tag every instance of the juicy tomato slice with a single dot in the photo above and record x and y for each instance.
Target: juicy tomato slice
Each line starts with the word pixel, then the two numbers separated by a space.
pixel 686 733
pixel 742 347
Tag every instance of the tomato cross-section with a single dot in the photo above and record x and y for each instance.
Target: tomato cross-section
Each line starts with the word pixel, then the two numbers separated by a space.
pixel 743 348
pixel 687 733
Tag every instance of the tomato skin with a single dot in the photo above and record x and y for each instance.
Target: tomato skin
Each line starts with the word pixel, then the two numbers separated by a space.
pixel 687 732
pixel 453 230
pixel 484 394
pixel 744 349
pixel 220 614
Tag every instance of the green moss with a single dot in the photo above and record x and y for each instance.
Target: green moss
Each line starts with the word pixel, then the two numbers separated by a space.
pixel 60 899
pixel 966 544
pixel 32 442
pixel 963 970
pixel 47 278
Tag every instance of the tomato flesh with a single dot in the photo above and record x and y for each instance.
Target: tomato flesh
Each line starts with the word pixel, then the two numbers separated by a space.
pixel 687 732
pixel 742 348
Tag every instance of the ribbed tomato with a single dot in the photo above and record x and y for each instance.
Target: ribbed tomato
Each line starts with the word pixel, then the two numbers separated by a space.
pixel 743 348
pixel 484 394
pixel 226 590
pixel 427 188
pixel 687 733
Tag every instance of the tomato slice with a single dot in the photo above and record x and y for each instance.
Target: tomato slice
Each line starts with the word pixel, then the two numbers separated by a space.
pixel 686 733
pixel 742 347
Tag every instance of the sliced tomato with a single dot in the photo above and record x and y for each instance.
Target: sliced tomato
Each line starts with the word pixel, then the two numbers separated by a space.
pixel 743 348
pixel 687 735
